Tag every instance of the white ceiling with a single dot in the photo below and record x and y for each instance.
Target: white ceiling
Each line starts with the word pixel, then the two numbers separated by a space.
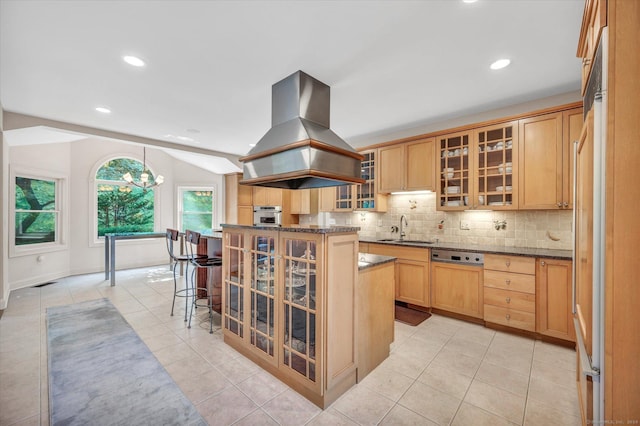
pixel 391 65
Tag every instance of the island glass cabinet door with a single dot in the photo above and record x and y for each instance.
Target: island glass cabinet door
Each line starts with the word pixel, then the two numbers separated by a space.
pixel 262 291
pixel 301 306
pixel 234 282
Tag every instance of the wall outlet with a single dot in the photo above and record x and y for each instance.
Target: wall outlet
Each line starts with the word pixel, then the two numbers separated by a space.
pixel 464 225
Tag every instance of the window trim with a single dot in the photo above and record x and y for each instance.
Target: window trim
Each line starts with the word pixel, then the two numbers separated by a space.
pixel 179 208
pixel 62 207
pixel 94 240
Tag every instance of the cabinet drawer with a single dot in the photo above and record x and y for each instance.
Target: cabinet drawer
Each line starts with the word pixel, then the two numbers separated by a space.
pixel 519 264
pixel 508 281
pixel 510 299
pixel 510 317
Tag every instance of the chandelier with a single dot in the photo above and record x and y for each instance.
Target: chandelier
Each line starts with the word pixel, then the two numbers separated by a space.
pixel 144 176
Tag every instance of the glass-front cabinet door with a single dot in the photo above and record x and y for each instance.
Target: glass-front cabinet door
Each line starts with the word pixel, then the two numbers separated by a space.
pixel 234 283
pixel 262 293
pixel 454 171
pixel 496 174
pixel 366 192
pixel 300 305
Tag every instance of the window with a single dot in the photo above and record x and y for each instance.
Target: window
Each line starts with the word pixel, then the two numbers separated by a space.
pixel 121 207
pixel 38 199
pixel 36 219
pixel 196 209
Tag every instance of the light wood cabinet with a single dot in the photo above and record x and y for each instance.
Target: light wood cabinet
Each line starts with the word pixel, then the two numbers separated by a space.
pixel 546 159
pixel 304 201
pixel 495 168
pixel 407 166
pixel 457 288
pixel 337 198
pixel 264 196
pixel 510 291
pixel 412 272
pixel 376 315
pixel 593 20
pixel 238 200
pixel 289 305
pixel 455 175
pixel 367 196
pixel 553 299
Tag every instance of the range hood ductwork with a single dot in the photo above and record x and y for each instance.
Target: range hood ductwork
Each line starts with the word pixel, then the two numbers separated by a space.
pixel 300 150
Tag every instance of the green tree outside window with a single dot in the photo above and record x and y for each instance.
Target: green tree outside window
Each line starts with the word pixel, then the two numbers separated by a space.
pixel 122 207
pixel 36 212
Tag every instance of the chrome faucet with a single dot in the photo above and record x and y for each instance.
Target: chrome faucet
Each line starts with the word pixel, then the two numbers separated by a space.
pixel 403 218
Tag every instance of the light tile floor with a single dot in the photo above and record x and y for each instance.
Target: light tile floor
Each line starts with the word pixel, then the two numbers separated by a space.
pixel 443 371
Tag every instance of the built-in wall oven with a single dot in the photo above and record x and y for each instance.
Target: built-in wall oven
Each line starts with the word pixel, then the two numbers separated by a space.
pixel 267 215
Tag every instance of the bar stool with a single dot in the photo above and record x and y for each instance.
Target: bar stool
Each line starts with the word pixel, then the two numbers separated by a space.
pixel 199 262
pixel 177 259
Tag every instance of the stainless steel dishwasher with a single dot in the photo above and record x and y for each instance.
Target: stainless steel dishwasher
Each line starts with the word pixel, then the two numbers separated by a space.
pixel 456 282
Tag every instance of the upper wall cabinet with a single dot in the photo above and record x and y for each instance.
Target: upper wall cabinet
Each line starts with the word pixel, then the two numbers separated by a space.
pixel 593 20
pixel 367 195
pixel 407 167
pixel 496 173
pixel 455 188
pixel 264 196
pixel 546 160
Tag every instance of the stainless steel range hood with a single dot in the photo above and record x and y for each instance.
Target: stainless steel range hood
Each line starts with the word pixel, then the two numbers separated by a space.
pixel 300 151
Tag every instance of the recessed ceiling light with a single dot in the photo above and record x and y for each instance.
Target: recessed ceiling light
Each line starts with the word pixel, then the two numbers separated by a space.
pixel 103 110
pixel 252 145
pixel 193 130
pixel 184 138
pixel 469 1
pixel 500 63
pixel 133 60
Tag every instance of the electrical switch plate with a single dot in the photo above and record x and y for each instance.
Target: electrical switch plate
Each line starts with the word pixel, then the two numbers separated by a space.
pixel 464 225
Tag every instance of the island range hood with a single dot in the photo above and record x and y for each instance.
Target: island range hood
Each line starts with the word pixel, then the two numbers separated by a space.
pixel 300 150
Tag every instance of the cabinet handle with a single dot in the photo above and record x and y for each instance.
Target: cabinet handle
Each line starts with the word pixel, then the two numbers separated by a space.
pixel 508 317
pixel 245 250
pixel 508 300
pixel 508 282
pixel 542 263
pixel 565 204
pixel 508 263
pixel 586 61
pixel 559 205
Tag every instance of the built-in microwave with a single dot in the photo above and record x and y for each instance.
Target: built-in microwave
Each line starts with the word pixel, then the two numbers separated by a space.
pixel 267 215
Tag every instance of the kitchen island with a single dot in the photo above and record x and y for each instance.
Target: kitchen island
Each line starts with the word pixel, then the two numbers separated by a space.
pixel 291 303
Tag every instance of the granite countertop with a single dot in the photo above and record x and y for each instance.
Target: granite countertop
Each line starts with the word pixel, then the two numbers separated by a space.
pixel 515 251
pixel 312 229
pixel 368 260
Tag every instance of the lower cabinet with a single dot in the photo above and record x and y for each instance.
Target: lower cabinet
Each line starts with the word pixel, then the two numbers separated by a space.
pixel 510 291
pixel 376 315
pixel 457 288
pixel 289 305
pixel 554 298
pixel 412 272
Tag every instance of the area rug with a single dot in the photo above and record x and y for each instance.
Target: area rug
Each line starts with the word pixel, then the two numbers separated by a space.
pixel 101 373
pixel 410 316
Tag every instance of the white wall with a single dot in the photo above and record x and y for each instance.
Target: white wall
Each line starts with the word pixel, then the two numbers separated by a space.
pixel 79 160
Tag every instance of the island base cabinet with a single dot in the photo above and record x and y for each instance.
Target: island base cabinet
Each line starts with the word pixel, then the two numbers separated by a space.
pixel 376 315
pixel 289 305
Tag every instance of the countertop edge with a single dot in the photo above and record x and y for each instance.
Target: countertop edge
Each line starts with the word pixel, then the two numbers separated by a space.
pixel 513 251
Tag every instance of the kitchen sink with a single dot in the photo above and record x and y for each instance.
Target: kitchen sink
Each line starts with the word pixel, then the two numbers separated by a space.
pixel 392 240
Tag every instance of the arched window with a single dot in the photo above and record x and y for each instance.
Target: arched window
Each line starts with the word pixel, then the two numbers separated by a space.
pixel 122 207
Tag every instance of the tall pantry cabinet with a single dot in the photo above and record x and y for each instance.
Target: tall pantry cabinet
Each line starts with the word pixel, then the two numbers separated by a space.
pixel 619 378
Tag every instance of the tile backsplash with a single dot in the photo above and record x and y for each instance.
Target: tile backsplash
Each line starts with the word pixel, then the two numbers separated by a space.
pixel 535 229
